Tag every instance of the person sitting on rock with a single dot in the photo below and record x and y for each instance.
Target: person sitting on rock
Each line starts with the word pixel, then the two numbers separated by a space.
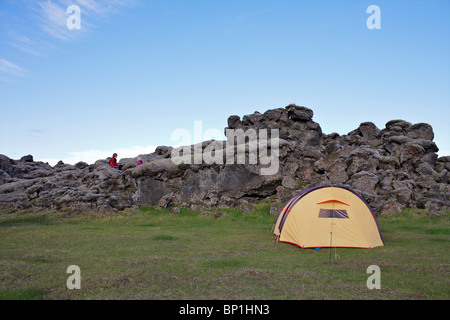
pixel 139 161
pixel 113 162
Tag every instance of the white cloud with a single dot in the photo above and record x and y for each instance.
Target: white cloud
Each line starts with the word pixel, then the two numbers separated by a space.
pixel 44 21
pixel 53 15
pixel 90 156
pixel 53 20
pixel 103 8
pixel 11 69
pixel 24 43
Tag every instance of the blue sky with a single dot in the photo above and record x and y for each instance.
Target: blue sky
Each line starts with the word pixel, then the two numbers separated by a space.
pixel 138 70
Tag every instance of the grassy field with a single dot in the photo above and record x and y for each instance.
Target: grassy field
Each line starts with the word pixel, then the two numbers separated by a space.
pixel 150 254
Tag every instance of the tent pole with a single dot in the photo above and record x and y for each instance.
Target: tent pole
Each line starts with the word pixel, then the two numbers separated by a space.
pixel 331 237
pixel 331 242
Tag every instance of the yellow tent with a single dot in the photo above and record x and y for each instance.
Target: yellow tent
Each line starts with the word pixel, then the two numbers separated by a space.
pixel 328 216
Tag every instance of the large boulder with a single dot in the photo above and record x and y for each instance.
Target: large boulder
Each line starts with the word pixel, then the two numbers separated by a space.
pixel 392 168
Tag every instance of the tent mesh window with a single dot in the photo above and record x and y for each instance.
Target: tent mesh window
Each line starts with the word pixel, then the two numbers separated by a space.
pixel 333 213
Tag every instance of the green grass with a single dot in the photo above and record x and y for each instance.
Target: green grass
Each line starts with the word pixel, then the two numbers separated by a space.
pixel 23 294
pixel 163 237
pixel 153 254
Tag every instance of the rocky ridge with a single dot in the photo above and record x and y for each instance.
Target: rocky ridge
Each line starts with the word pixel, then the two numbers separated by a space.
pixel 392 168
